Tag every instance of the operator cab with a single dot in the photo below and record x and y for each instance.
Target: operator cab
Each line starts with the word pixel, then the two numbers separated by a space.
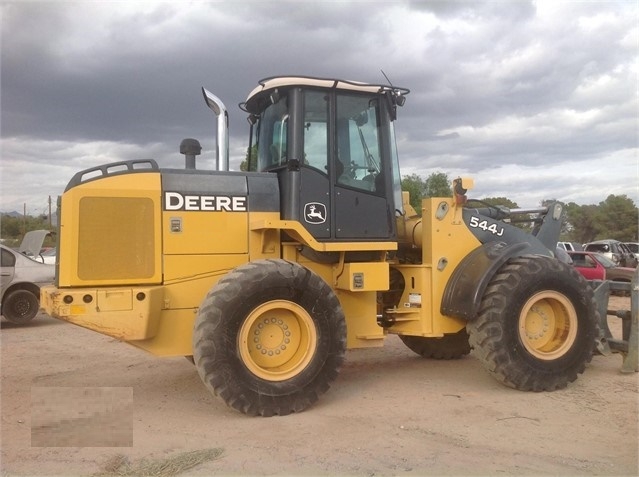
pixel 332 144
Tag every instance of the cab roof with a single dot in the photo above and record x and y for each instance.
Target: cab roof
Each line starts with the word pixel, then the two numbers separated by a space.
pixel 266 85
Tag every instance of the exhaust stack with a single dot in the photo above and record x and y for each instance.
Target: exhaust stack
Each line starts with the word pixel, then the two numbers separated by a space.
pixel 217 106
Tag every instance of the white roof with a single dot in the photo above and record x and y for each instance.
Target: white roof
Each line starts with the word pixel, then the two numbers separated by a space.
pixel 268 84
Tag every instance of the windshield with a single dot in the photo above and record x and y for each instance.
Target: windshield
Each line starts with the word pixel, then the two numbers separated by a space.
pixel 605 261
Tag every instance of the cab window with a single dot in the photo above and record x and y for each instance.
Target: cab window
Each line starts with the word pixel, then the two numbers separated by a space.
pixel 269 137
pixel 316 130
pixel 358 147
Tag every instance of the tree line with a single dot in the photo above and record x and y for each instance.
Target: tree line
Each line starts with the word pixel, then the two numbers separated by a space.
pixel 615 218
pixel 13 228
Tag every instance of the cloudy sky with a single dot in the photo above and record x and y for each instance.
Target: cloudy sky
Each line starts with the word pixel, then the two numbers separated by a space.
pixel 533 99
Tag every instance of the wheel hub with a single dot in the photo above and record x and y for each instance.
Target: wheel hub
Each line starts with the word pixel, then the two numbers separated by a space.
pixel 22 307
pixel 548 325
pixel 271 336
pixel 537 323
pixel 277 340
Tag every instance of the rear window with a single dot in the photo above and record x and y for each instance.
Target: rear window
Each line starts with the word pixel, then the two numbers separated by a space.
pixel 598 247
pixel 7 259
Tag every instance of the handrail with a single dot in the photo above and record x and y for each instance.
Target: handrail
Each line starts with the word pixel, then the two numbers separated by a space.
pixel 112 169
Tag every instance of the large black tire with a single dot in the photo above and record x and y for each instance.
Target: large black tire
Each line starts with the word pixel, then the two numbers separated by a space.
pixel 537 324
pixel 20 306
pixel 269 338
pixel 449 346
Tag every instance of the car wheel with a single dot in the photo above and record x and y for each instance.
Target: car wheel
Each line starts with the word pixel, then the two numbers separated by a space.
pixel 20 306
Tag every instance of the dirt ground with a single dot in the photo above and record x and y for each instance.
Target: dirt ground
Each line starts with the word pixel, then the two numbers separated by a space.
pixel 74 401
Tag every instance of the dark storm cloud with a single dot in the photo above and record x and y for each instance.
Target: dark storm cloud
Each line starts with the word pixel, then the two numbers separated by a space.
pixel 137 78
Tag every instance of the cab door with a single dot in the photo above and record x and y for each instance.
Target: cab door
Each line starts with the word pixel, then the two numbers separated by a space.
pixel 361 205
pixel 336 173
pixel 344 172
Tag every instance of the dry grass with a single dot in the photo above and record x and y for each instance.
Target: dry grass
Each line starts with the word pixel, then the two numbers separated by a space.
pixel 120 466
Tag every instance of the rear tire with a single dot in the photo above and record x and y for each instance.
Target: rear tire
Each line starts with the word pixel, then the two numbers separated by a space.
pixel 449 346
pixel 537 324
pixel 269 338
pixel 20 306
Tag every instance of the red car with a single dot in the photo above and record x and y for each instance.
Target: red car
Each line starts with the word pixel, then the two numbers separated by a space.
pixel 594 266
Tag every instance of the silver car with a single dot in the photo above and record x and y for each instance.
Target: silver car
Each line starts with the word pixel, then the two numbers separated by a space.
pixel 633 247
pixel 21 278
pixel 615 250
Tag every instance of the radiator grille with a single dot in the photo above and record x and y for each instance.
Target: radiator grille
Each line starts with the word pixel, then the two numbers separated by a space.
pixel 116 238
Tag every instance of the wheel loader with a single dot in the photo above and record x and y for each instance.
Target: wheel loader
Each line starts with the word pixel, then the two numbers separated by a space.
pixel 265 277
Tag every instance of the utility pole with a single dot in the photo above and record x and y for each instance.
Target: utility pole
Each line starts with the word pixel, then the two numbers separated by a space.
pixel 49 212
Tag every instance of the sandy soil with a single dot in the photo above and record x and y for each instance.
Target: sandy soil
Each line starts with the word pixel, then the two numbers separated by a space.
pixel 389 413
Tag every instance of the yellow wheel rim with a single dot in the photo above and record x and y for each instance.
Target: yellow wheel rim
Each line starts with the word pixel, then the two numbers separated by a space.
pixel 277 340
pixel 548 325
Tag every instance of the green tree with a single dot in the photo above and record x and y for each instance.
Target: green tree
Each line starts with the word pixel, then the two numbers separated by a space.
pixel 438 185
pixel 617 218
pixel 12 229
pixel 251 157
pixel 416 187
pixel 581 226
pixel 435 185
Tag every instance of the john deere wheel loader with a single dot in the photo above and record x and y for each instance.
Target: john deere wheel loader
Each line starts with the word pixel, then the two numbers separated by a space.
pixel 266 277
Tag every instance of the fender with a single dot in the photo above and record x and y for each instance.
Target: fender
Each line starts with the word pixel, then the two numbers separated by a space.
pixel 466 287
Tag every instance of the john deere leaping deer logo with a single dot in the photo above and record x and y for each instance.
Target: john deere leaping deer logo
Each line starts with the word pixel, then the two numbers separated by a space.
pixel 315 213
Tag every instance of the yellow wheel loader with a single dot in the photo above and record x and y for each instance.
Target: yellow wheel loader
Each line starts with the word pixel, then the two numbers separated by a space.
pixel 264 278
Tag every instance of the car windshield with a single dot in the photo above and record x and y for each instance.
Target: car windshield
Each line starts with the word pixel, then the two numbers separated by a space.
pixel 605 261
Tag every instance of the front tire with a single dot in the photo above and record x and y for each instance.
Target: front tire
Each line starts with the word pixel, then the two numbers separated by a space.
pixel 269 338
pixel 20 306
pixel 537 324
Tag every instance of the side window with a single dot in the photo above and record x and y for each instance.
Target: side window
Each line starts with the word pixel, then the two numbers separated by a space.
pixel 7 259
pixel 316 130
pixel 277 150
pixel 358 143
pixel 270 136
pixel 589 262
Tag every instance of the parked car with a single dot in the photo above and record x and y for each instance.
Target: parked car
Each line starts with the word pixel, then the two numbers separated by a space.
pixel 633 247
pixel 615 251
pixel 595 266
pixel 570 246
pixel 21 278
pixel 48 256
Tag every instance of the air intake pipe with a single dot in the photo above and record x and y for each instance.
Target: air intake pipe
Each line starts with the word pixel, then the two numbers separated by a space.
pixel 190 148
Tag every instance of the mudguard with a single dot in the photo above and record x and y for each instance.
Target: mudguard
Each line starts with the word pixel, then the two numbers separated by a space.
pixel 466 287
